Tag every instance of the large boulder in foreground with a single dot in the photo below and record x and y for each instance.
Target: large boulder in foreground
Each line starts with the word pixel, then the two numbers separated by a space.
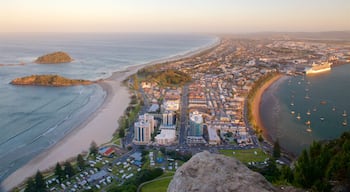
pixel 54 58
pixel 49 80
pixel 206 172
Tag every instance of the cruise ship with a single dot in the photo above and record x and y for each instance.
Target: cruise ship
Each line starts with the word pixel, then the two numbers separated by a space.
pixel 318 68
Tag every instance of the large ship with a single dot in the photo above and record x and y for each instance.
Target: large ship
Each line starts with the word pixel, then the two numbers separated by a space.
pixel 318 68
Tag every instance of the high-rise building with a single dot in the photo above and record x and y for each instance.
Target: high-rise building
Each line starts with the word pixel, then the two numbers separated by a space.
pixel 143 129
pixel 168 118
pixel 195 131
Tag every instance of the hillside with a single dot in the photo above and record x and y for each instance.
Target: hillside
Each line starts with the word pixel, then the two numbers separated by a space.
pixel 54 58
pixel 49 80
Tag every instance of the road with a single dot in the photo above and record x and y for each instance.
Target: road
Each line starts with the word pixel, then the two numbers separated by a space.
pixel 183 117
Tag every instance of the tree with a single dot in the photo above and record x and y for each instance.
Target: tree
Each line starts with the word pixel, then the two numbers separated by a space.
pixel 40 185
pixel 30 186
pixel 276 150
pixel 59 172
pixel 121 132
pixel 68 169
pixel 81 162
pixel 93 148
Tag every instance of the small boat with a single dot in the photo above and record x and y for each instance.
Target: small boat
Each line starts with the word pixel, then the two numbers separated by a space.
pixel 322 118
pixel 308 112
pixel 299 82
pixel 292 104
pixel 309 130
pixel 345 114
pixel 306 89
pixel 292 112
pixel 315 109
pixel 298 116
pixel 308 122
pixel 333 109
pixel 307 96
pixel 323 102
pixel 345 122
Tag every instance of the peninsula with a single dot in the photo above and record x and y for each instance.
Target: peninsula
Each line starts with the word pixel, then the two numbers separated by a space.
pixel 49 80
pixel 54 58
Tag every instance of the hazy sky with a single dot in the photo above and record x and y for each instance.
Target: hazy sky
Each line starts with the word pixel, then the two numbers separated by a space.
pixel 213 16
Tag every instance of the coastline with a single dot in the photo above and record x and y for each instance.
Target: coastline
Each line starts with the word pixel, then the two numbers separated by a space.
pixel 99 127
pixel 257 101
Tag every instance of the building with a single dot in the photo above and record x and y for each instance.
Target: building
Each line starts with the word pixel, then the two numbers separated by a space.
pixel 214 139
pixel 171 104
pixel 168 118
pixel 143 129
pixel 166 137
pixel 167 134
pixel 195 131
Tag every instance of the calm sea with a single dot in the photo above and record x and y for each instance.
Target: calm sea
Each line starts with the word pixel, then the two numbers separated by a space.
pixel 34 118
pixel 322 100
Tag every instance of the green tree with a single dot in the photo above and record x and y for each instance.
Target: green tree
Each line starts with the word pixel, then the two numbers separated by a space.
pixel 80 162
pixel 68 169
pixel 93 148
pixel 30 186
pixel 40 185
pixel 59 172
pixel 276 150
pixel 121 132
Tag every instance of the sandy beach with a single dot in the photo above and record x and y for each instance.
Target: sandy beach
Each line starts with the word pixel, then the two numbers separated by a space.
pixel 99 127
pixel 257 100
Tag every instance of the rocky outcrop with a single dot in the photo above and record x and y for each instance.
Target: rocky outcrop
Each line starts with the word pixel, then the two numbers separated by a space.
pixel 49 80
pixel 54 58
pixel 206 172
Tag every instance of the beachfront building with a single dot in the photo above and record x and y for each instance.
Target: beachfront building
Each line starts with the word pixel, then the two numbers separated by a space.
pixel 214 138
pixel 167 134
pixel 195 131
pixel 166 137
pixel 143 129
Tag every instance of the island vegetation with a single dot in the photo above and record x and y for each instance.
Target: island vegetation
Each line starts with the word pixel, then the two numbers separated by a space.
pixel 54 58
pixel 49 80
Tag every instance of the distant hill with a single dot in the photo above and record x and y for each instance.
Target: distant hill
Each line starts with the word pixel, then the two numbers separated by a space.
pixel 49 80
pixel 54 58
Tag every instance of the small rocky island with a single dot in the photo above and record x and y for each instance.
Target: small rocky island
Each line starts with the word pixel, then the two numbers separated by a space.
pixel 49 80
pixel 54 58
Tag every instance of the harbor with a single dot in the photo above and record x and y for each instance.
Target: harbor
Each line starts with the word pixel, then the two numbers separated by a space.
pixel 307 108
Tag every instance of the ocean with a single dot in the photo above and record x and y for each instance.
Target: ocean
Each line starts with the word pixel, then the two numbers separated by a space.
pixel 320 99
pixel 35 118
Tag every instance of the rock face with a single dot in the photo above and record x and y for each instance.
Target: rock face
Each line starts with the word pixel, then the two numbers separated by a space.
pixel 206 172
pixel 49 80
pixel 54 58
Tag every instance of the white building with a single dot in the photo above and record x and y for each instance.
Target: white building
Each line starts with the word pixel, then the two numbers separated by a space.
pixel 214 139
pixel 171 105
pixel 143 129
pixel 166 137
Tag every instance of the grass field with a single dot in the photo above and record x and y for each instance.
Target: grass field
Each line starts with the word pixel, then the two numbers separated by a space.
pixel 157 186
pixel 246 156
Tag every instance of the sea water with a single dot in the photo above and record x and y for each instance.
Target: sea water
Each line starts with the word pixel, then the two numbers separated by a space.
pixel 34 118
pixel 320 99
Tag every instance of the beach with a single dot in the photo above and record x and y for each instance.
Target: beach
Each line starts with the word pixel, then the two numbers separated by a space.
pixel 99 127
pixel 257 101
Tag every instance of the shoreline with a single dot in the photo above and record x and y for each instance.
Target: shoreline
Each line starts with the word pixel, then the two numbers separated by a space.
pixel 257 101
pixel 107 115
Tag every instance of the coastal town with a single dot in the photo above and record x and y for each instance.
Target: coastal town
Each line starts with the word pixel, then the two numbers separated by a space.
pixel 208 102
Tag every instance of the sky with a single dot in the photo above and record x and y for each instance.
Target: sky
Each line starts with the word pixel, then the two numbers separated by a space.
pixel 172 16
